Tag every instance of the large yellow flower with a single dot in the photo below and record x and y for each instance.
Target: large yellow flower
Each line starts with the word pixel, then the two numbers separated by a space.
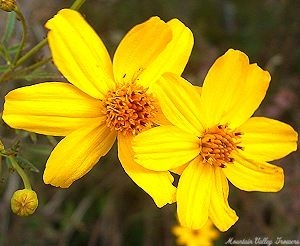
pixel 213 139
pixel 201 237
pixel 105 99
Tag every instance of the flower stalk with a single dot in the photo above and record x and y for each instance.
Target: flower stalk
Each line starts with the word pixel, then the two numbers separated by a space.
pixel 20 17
pixel 21 172
pixel 18 59
pixel 77 4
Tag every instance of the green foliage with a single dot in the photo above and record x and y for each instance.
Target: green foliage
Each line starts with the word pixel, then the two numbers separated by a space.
pixel 10 26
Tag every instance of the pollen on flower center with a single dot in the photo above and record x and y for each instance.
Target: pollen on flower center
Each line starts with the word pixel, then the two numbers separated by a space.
pixel 129 109
pixel 217 144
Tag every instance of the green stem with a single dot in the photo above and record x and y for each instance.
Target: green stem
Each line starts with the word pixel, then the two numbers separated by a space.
pixel 17 73
pixel 77 4
pixel 31 52
pixel 20 172
pixel 3 53
pixel 32 67
pixel 4 75
pixel 24 34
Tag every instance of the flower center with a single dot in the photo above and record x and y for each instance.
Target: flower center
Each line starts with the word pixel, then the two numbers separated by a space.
pixel 129 109
pixel 217 144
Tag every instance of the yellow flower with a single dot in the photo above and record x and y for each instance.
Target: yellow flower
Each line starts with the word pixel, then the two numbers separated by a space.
pixel 202 237
pixel 105 99
pixel 214 139
pixel 24 202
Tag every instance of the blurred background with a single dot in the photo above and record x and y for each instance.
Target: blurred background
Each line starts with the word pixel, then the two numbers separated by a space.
pixel 105 207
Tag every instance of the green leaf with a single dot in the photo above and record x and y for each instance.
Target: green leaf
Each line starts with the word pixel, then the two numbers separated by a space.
pixel 37 150
pixel 13 49
pixel 3 69
pixel 25 164
pixel 10 24
pixel 8 164
pixel 4 53
pixel 33 137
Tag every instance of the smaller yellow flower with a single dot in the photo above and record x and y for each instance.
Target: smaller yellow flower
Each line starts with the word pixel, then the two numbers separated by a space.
pixel 8 5
pixel 24 202
pixel 203 237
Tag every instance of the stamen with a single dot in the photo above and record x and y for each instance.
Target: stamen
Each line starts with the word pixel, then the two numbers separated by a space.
pixel 217 145
pixel 129 109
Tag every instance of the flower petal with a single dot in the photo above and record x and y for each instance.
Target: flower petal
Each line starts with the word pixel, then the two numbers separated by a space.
pixel 233 89
pixel 139 48
pixel 220 212
pixel 152 48
pixel 182 42
pixel 157 184
pixel 194 194
pixel 79 53
pixel 180 169
pixel 160 118
pixel 266 139
pixel 77 153
pixel 252 175
pixel 52 108
pixel 174 57
pixel 165 147
pixel 180 102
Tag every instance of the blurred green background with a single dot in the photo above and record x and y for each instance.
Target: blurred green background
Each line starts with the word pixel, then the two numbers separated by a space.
pixel 105 207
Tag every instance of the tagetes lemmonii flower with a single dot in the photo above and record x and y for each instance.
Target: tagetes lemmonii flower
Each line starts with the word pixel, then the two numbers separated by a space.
pixel 105 99
pixel 201 237
pixel 213 139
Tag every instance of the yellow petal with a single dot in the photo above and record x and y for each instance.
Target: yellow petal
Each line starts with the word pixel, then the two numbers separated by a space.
pixel 182 42
pixel 233 89
pixel 160 118
pixel 157 184
pixel 180 102
pixel 139 48
pixel 266 139
pixel 180 169
pixel 77 153
pixel 165 147
pixel 52 108
pixel 194 194
pixel 250 175
pixel 174 57
pixel 79 53
pixel 220 212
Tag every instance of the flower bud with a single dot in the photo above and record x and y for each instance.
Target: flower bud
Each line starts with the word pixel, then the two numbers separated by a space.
pixel 24 202
pixel 8 5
